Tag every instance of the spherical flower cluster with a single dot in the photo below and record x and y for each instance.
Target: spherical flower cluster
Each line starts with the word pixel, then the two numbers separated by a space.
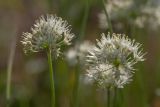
pixel 110 62
pixel 50 32
pixel 115 9
pixel 149 17
pixel 78 53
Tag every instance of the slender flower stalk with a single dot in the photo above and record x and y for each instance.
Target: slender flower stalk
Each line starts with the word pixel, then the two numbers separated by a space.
pixel 107 17
pixel 76 88
pixel 111 30
pixel 48 34
pixel 76 57
pixel 49 54
pixel 75 100
pixel 108 97
pixel 9 71
pixel 84 21
pixel 115 98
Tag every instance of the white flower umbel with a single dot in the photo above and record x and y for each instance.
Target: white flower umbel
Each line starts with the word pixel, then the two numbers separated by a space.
pixel 149 16
pixel 78 53
pixel 115 10
pixel 110 62
pixel 50 32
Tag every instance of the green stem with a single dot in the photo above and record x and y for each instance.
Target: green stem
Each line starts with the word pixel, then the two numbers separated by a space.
pixel 51 78
pixel 121 98
pixel 9 71
pixel 75 100
pixel 75 97
pixel 108 97
pixel 8 88
pixel 107 17
pixel 115 98
pixel 84 21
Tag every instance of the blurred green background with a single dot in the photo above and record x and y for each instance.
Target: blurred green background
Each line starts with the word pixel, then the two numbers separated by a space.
pixel 30 77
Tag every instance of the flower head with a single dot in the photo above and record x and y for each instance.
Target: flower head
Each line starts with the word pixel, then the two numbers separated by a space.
pixel 149 16
pixel 116 9
pixel 50 32
pixel 117 6
pixel 110 62
pixel 78 53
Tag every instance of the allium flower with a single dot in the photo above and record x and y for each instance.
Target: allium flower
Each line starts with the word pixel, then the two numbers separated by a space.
pixel 110 62
pixel 78 53
pixel 50 32
pixel 116 9
pixel 71 57
pixel 157 92
pixel 149 17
